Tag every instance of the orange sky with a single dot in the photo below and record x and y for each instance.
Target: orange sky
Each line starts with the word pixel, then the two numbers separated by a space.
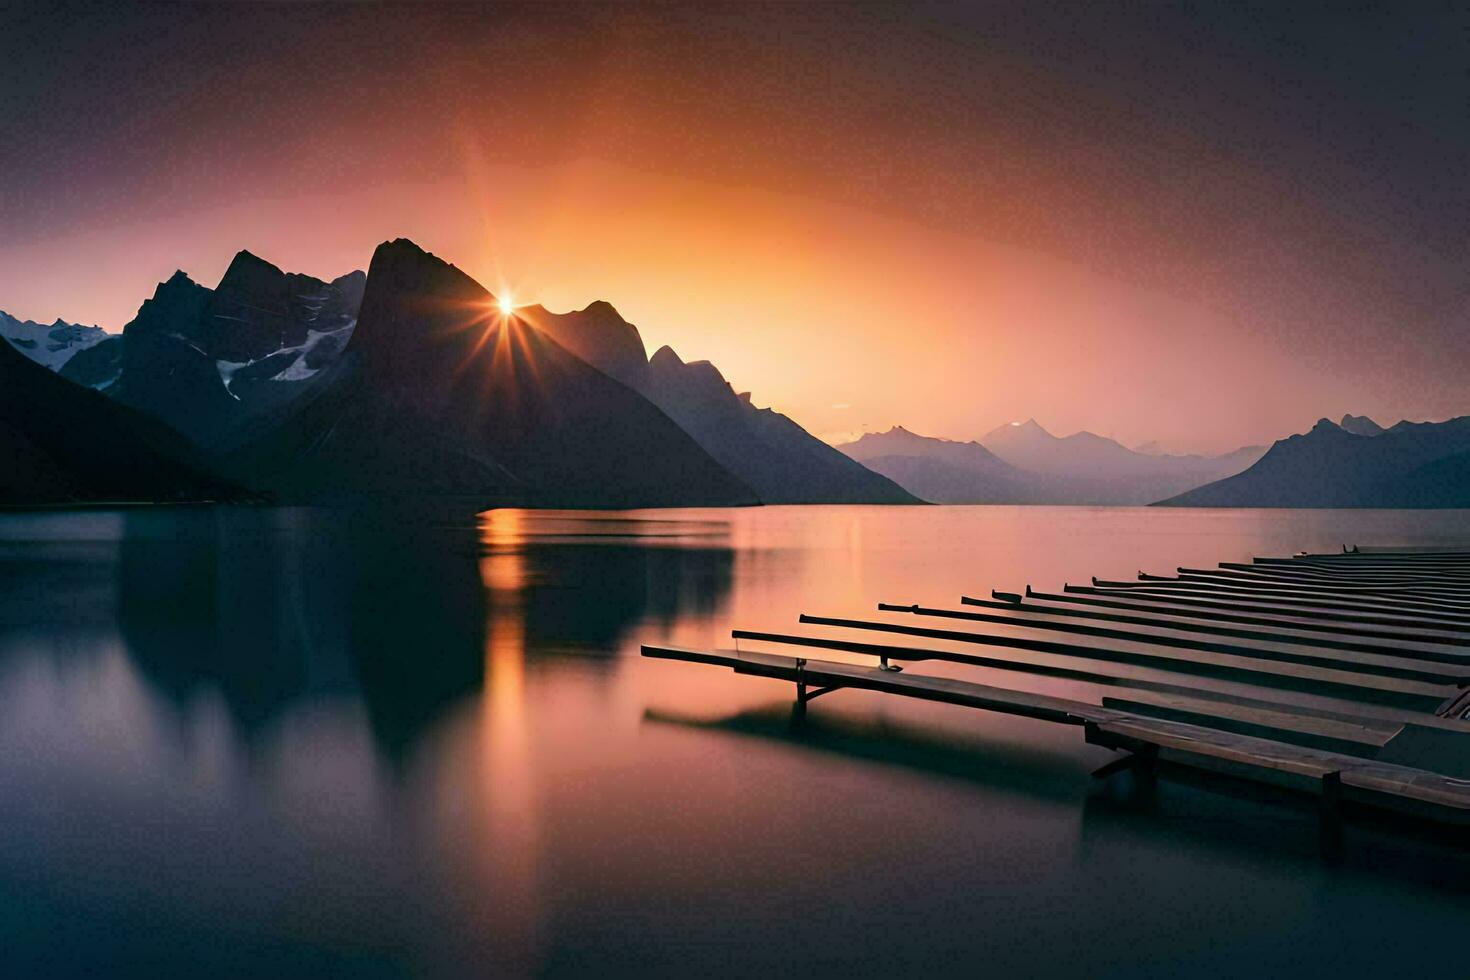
pixel 867 217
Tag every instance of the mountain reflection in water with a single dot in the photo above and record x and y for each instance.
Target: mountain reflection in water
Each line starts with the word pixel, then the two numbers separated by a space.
pixel 266 608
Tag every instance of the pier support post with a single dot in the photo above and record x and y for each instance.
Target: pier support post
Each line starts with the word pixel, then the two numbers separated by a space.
pixel 1331 813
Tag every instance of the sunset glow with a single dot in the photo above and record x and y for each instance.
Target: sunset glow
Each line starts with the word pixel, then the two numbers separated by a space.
pixel 447 448
pixel 952 243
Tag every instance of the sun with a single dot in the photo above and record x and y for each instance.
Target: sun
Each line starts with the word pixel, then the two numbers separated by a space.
pixel 507 304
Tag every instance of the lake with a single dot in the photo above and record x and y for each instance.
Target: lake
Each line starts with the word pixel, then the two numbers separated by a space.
pixel 286 742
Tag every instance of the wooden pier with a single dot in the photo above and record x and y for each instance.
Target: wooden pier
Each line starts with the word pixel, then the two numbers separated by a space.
pixel 1346 674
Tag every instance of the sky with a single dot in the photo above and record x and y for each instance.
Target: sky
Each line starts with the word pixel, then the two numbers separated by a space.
pixel 1202 225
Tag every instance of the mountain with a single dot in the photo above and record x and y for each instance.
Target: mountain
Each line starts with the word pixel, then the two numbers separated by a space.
pixel 1022 463
pixel 436 392
pixel 598 335
pixel 206 361
pixel 60 442
pixel 1361 425
pixel 943 471
pixel 1030 447
pixel 1084 468
pixel 50 345
pixel 97 366
pixel 1408 465
pixel 770 453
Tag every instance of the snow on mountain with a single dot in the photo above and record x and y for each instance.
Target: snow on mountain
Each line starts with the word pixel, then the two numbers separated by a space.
pixel 211 361
pixel 50 345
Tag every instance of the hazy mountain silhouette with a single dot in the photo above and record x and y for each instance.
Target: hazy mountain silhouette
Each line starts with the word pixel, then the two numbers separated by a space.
pixel 437 392
pixel 1091 469
pixel 62 442
pixel 777 458
pixel 1022 463
pixel 49 344
pixel 208 361
pixel 942 471
pixel 1409 465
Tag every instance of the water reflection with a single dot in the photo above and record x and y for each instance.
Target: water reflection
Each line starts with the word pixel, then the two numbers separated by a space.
pixel 265 609
pixel 291 743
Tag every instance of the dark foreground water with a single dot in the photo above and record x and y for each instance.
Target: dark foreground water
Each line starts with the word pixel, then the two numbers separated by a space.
pixel 287 743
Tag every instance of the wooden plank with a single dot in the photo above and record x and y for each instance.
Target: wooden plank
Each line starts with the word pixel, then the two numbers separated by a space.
pixel 1069 669
pixel 1326 598
pixel 1280 608
pixel 1342 574
pixel 1292 677
pixel 1377 665
pixel 829 673
pixel 1456 658
pixel 1414 618
pixel 1375 563
pixel 1243 750
pixel 1375 781
pixel 1426 584
pixel 1382 782
pixel 1310 730
pixel 1329 573
pixel 1417 592
pixel 1215 612
pixel 1414 551
pixel 1386 554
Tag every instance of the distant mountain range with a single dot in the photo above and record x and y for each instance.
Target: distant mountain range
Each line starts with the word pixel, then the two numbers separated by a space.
pixel 408 381
pixel 942 471
pixel 1023 463
pixel 1354 463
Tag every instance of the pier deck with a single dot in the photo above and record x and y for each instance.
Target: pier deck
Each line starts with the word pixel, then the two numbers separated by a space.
pixel 1368 705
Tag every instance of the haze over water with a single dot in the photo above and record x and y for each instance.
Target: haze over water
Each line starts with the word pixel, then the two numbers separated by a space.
pixel 270 741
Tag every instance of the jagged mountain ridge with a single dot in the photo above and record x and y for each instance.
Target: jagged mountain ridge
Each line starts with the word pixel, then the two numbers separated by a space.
pixel 208 360
pixel 437 392
pixel 772 454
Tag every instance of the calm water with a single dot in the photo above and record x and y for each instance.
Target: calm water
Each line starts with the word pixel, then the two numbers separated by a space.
pixel 281 742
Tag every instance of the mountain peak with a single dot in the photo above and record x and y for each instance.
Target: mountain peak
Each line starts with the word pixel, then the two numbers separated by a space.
pixel 599 335
pixel 601 307
pixel 665 356
pixel 1012 430
pixel 247 266
pixel 1361 425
